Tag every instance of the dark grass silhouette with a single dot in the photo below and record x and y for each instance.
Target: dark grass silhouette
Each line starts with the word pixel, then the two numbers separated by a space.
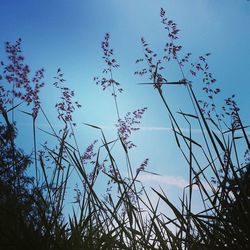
pixel 31 207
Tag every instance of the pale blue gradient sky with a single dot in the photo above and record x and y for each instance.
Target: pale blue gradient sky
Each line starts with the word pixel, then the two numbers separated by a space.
pixel 68 34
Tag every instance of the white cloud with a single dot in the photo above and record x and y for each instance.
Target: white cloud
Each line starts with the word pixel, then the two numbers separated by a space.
pixel 173 181
pixel 176 181
pixel 155 128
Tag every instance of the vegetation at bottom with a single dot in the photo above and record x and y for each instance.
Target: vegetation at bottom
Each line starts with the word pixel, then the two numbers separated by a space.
pixel 32 202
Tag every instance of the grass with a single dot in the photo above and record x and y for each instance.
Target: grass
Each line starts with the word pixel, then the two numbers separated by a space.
pixel 31 212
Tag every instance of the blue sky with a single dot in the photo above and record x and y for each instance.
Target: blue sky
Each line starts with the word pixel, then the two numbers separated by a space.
pixel 68 34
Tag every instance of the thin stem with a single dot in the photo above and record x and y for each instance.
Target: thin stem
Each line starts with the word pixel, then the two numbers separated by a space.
pixel 114 94
pixel 35 148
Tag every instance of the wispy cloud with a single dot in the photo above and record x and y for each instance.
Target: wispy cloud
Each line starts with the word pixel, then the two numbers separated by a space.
pixel 156 128
pixel 176 181
pixel 142 128
pixel 147 128
pixel 173 181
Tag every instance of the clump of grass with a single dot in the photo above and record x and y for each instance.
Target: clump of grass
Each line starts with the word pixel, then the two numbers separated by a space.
pixel 31 213
pixel 223 221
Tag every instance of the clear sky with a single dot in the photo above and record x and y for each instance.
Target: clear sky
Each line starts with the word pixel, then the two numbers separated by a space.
pixel 68 34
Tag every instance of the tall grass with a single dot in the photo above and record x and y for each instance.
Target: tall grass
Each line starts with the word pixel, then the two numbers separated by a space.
pixel 31 211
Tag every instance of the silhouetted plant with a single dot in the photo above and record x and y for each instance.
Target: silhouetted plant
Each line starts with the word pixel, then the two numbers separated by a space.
pixel 31 207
